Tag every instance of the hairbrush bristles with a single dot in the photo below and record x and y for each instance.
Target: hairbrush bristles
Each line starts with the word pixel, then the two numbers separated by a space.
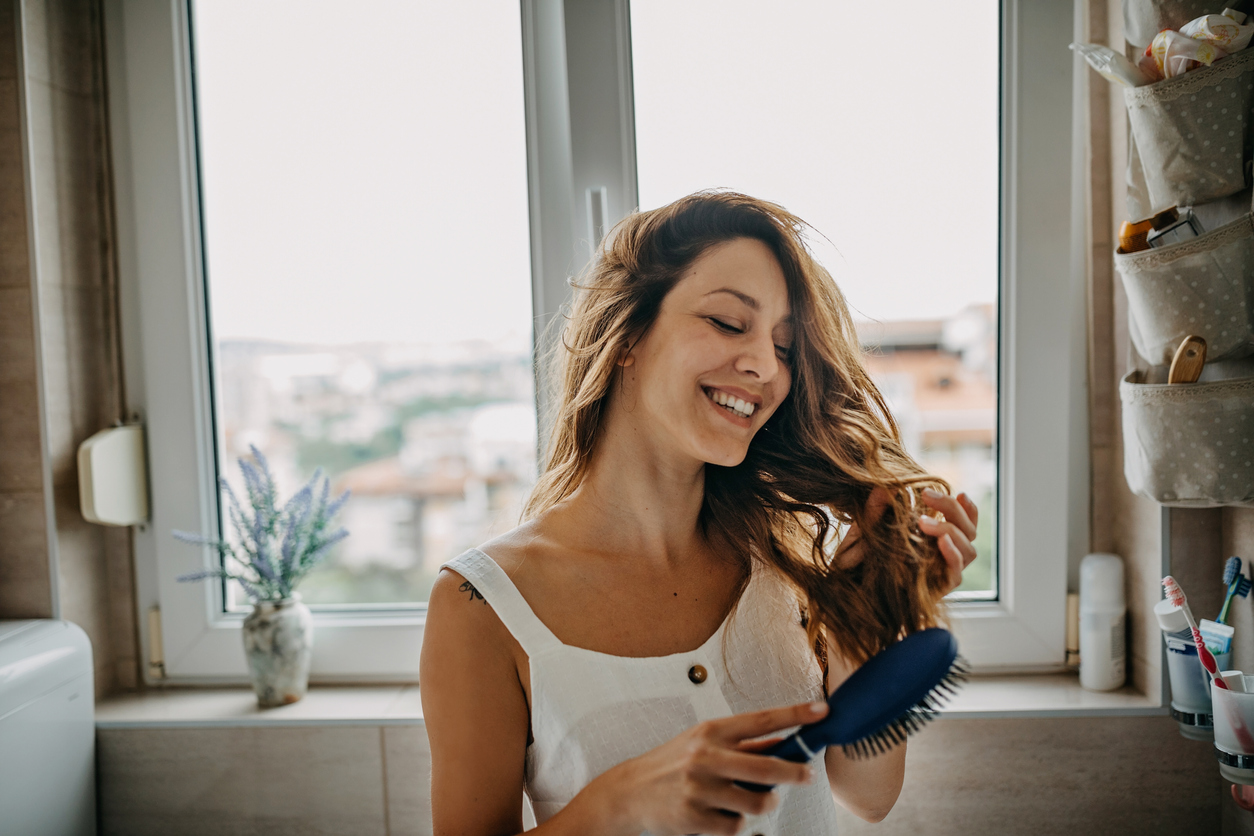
pixel 914 719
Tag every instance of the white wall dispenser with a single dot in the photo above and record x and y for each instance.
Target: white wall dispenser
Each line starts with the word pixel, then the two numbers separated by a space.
pixel 113 477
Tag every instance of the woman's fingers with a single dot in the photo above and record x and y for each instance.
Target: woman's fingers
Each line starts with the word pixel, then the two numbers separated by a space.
pixel 757 769
pixel 736 799
pixel 758 745
pixel 955 511
pixel 740 727
pixel 956 549
pixel 973 510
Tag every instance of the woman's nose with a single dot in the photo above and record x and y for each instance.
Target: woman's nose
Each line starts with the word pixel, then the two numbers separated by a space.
pixel 759 359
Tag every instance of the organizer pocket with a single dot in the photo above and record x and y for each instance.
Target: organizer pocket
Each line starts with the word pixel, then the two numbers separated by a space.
pixel 1189 444
pixel 1193 131
pixel 1203 286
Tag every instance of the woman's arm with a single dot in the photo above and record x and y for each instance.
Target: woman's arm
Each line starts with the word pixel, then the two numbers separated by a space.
pixel 476 715
pixel 867 787
pixel 475 712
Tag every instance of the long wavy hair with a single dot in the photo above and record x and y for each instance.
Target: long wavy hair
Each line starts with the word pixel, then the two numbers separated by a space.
pixel 811 468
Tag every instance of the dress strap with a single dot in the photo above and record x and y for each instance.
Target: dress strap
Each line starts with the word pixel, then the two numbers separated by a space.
pixel 505 599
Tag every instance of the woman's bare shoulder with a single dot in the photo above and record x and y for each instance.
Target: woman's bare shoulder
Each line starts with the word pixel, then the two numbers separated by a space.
pixel 511 550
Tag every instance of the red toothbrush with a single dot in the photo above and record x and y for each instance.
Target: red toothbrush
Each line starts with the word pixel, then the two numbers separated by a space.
pixel 1176 596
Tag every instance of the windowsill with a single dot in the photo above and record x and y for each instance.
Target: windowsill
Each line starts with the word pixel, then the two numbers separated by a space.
pixel 324 705
pixel 1045 695
pixel 985 697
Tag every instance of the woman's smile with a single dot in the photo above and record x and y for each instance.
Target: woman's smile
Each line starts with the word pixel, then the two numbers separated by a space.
pixel 736 408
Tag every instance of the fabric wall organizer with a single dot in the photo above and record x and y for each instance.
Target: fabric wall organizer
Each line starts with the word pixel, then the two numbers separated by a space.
pixel 1193 132
pixel 1189 445
pixel 1192 444
pixel 1203 286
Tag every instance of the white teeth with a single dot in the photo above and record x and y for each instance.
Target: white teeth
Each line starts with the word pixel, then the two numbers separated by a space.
pixel 741 408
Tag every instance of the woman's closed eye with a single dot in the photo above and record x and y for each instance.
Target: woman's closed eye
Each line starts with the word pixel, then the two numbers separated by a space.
pixel 725 327
pixel 784 351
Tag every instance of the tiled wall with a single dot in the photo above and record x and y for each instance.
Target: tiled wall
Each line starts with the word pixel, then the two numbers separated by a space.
pixel 60 376
pixel 332 780
pixel 1070 777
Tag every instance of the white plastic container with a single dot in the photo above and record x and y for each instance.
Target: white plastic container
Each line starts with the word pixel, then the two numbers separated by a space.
pixel 1103 642
pixel 1234 727
pixel 1190 684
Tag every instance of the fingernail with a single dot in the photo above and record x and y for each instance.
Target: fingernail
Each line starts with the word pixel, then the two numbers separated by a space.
pixel 932 493
pixel 818 707
pixel 930 522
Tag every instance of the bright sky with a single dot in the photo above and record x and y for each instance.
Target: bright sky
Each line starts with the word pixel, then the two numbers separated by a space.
pixel 364 174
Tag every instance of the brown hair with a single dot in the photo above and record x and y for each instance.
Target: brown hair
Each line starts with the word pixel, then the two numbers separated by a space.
pixel 817 460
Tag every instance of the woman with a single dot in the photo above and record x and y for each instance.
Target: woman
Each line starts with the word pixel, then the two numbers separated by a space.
pixel 676 592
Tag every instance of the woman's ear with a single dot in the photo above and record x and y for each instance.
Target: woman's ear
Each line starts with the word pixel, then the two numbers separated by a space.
pixel 625 357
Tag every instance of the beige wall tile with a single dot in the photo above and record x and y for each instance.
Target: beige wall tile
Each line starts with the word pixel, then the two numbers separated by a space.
pixel 83 582
pixel 1238 539
pixel 25 583
pixel 14 250
pixel 8 42
pixel 1070 777
pixel 81 389
pixel 120 583
pixel 407 760
pixel 66 176
pixel 264 781
pixel 60 41
pixel 20 441
pixel 79 174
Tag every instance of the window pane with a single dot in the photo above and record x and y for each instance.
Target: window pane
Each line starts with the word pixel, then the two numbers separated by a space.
pixel 363 176
pixel 833 110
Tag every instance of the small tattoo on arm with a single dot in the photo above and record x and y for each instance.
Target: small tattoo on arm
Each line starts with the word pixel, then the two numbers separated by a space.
pixel 474 593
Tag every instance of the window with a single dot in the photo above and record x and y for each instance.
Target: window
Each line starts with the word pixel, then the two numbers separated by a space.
pixel 727 93
pixel 223 156
pixel 347 164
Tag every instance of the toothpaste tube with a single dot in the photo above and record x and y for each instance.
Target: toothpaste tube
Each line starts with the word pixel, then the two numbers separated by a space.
pixel 1218 637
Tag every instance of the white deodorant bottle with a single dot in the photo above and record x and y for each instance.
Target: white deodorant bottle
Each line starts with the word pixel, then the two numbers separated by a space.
pixel 1103 645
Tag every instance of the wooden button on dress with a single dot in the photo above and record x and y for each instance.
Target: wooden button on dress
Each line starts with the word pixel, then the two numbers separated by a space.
pixel 697 674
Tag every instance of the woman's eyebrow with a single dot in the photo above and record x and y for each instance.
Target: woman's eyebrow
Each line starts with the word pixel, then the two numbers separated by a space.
pixel 749 301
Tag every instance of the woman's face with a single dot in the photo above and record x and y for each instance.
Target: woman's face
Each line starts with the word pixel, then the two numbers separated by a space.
pixel 713 367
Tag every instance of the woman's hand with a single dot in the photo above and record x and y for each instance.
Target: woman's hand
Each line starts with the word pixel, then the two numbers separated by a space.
pixel 687 784
pixel 955 534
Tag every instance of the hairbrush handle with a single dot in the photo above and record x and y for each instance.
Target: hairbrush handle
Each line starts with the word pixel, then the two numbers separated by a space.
pixel 792 748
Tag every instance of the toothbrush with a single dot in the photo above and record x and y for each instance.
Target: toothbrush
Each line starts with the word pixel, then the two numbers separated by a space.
pixel 1237 583
pixel 1176 596
pixel 1242 733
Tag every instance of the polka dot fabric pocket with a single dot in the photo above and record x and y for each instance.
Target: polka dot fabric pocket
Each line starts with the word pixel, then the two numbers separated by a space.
pixel 1203 286
pixel 1193 131
pixel 1189 444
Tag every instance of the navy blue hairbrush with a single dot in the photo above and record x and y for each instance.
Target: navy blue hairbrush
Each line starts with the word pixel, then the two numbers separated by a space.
pixel 893 695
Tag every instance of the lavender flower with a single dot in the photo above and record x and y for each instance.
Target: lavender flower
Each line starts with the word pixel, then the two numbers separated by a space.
pixel 273 547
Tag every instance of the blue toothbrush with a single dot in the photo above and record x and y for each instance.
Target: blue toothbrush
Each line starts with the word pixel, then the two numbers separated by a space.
pixel 1237 584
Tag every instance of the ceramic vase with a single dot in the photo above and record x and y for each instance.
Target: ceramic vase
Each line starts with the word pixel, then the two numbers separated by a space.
pixel 278 641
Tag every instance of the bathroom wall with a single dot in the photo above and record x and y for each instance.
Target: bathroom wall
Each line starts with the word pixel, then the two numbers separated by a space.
pixel 60 376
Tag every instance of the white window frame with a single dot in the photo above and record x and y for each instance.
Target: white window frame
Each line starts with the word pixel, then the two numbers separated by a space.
pixel 580 141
